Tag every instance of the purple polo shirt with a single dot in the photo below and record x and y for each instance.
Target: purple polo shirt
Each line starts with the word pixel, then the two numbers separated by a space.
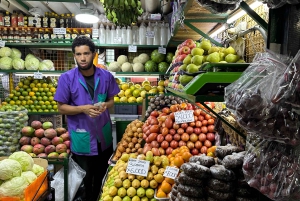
pixel 84 130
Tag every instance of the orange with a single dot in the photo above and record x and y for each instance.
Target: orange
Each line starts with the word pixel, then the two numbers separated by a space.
pixel 166 187
pixel 212 149
pixel 175 151
pixel 161 194
pixel 184 148
pixel 186 156
pixel 170 181
pixel 31 93
pixel 183 105
pixel 178 161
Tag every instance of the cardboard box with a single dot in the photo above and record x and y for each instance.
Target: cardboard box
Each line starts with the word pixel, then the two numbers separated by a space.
pixel 36 188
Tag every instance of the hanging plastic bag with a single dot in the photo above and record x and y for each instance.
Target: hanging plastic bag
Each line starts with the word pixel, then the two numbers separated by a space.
pixel 75 177
pixel 273 169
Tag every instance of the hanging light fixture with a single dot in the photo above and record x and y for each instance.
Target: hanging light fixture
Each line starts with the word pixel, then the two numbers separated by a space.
pixel 87 14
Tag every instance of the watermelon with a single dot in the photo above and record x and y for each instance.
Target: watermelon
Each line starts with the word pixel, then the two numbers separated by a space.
pixel 151 66
pixel 169 57
pixel 157 57
pixel 163 67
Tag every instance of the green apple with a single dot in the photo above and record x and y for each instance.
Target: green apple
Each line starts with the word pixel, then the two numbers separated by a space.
pixel 197 51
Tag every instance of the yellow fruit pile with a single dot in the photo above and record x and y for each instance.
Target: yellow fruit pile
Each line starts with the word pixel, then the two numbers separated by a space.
pixel 121 186
pixel 135 93
pixel 36 95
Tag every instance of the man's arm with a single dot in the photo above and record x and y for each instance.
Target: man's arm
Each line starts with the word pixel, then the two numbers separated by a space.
pixel 66 109
pixel 110 102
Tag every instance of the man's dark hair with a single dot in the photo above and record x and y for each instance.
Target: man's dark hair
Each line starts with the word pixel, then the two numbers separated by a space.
pixel 83 40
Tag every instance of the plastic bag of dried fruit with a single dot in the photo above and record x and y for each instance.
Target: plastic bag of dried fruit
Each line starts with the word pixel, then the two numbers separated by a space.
pixel 265 98
pixel 273 169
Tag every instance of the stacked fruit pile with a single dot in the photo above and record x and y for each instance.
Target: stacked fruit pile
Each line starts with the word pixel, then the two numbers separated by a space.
pixel 34 94
pixel 131 141
pixel 12 120
pixel 191 55
pixel 128 187
pixel 135 93
pixel 162 134
pixel 42 140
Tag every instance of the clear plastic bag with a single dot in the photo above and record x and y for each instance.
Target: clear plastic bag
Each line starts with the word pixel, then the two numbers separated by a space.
pixel 266 98
pixel 273 169
pixel 75 177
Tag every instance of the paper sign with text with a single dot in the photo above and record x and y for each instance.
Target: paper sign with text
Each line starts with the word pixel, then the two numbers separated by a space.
pixel 95 33
pixel 2 43
pixel 171 172
pixel 155 16
pixel 138 167
pixel 59 30
pixel 117 40
pixel 132 48
pixel 38 75
pixel 149 34
pixel 184 116
pixel 162 50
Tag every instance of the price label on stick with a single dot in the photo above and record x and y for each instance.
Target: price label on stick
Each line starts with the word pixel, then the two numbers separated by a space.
pixel 132 48
pixel 184 116
pixel 59 30
pixel 162 50
pixel 38 75
pixel 138 167
pixel 171 172
pixel 2 43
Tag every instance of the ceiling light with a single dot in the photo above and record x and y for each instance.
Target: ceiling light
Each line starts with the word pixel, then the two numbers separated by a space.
pixel 217 31
pixel 87 14
pixel 241 13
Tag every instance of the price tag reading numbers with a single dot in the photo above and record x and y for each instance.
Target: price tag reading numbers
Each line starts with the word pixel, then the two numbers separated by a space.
pixel 184 116
pixel 171 172
pixel 59 30
pixel 132 48
pixel 149 34
pixel 2 43
pixel 155 17
pixel 138 167
pixel 162 50
pixel 117 40
pixel 38 75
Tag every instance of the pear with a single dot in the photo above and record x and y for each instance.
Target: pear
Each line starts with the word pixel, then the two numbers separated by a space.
pixel 141 192
pixel 187 59
pixel 125 157
pixel 139 177
pixel 117 198
pixel 192 68
pixel 231 58
pixel 157 161
pixel 229 50
pixel 112 191
pixel 161 171
pixel 241 61
pixel 184 79
pixel 126 198
pixel 213 49
pixel 183 67
pixel 136 198
pixel 213 57
pixel 118 183
pixel 149 176
pixel 144 183
pixel 154 169
pixel 141 157
pixel 107 198
pixel 205 44
pixel 131 192
pixel 133 155
pixel 153 184
pixel 158 178
pixel 122 192
pixel 131 177
pixel 144 199
pixel 197 60
pixel 126 183
pixel 123 175
pixel 165 162
pixel 150 193
pixel 135 183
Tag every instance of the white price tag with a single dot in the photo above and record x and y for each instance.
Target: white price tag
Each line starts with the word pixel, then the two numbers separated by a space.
pixel 162 50
pixel 59 30
pixel 149 34
pixel 155 16
pixel 184 116
pixel 38 75
pixel 2 43
pixel 117 40
pixel 113 73
pixel 138 167
pixel 171 172
pixel 95 33
pixel 132 48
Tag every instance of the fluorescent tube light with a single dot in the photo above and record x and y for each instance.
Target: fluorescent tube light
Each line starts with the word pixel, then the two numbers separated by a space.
pixel 241 13
pixel 87 18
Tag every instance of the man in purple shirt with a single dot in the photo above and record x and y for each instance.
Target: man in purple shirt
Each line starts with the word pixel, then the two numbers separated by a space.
pixel 79 89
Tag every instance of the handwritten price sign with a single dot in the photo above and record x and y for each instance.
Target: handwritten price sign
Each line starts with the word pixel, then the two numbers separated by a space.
pixel 59 30
pixel 138 167
pixel 38 75
pixel 171 172
pixel 184 116
pixel 2 43
pixel 132 48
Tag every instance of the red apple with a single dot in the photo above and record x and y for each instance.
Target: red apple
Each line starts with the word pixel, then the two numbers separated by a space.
pixel 190 43
pixel 184 50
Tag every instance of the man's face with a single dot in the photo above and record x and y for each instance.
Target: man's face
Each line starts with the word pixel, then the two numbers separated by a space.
pixel 84 57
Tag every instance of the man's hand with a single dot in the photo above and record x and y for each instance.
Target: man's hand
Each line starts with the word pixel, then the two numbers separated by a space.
pixel 92 111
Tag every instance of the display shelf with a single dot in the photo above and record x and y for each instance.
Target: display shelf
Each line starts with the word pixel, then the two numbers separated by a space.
pixel 128 103
pixel 43 113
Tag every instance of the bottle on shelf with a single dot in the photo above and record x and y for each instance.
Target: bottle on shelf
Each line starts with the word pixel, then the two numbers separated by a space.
pixel 118 35
pixel 1 19
pixel 88 33
pixel 20 20
pixel 149 40
pixel 68 21
pixel 156 29
pixel 129 35
pixel 10 37
pixel 124 35
pixel 113 34
pixel 35 35
pixel 73 21
pixel 14 19
pixel 75 33
pixel 68 35
pixel 38 23
pixel 28 36
pixel 135 35
pixel 163 35
pixel 4 34
pixel 25 21
pixel 23 36
pixel 7 19
pixel 142 34
pixel 107 35
pixel 62 21
pixel 47 35
pixel 41 35
pixel 16 36
pixel 30 21
pixel 102 34
pixel 46 20
pixel 52 20
pixel 53 38
pixel 60 38
pixel 168 32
